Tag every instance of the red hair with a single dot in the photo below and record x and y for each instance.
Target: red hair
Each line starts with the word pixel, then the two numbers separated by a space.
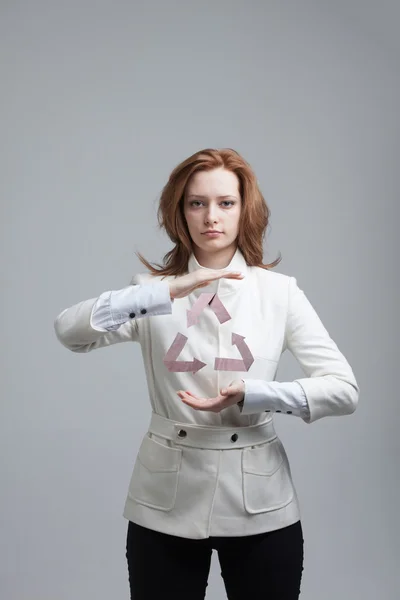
pixel 254 215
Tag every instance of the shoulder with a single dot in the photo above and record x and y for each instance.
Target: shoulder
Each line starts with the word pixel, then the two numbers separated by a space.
pixel 274 281
pixel 281 289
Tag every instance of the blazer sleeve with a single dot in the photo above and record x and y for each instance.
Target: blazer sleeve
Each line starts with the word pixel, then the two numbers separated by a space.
pixel 330 385
pixel 76 329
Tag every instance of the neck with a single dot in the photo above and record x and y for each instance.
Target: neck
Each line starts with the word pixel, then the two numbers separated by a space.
pixel 218 259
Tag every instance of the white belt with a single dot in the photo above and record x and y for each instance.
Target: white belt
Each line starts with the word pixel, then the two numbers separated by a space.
pixel 210 437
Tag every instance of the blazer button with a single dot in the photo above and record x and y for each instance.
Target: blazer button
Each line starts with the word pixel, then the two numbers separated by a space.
pixel 143 311
pixel 182 433
pixel 234 437
pixel 132 315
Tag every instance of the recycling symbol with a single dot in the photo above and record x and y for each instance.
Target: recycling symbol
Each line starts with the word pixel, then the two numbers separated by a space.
pixel 220 364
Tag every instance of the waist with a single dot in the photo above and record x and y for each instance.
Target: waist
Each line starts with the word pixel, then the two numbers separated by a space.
pixel 214 438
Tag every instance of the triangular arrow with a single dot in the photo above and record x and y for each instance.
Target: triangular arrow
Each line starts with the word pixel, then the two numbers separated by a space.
pixel 235 364
pixel 207 299
pixel 176 366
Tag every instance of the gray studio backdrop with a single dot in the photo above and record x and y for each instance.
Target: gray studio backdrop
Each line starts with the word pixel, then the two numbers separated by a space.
pixel 99 101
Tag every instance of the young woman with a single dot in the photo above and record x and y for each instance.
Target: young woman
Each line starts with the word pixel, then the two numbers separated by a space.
pixel 213 322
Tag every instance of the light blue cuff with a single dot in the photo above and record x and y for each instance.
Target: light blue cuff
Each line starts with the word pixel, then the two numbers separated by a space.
pixel 113 308
pixel 275 397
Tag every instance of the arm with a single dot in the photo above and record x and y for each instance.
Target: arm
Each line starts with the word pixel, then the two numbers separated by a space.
pixel 112 317
pixel 330 387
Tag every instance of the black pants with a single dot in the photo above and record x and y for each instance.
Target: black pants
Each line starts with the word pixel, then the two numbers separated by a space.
pixel 266 566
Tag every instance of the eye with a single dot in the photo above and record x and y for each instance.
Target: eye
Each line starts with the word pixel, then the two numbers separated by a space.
pixel 224 203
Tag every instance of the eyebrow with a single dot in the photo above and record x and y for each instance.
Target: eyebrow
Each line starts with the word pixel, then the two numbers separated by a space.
pixel 205 197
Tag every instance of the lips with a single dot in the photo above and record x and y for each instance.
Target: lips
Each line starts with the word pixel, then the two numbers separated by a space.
pixel 212 235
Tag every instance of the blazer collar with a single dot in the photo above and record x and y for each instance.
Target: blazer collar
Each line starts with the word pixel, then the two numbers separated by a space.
pixel 221 286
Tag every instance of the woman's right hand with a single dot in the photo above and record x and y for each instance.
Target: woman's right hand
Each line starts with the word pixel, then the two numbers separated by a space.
pixel 184 285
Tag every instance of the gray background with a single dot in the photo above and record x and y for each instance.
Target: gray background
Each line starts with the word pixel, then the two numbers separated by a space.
pixel 99 101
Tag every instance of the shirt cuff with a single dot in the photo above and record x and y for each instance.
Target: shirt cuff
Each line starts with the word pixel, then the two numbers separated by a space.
pixel 113 308
pixel 275 397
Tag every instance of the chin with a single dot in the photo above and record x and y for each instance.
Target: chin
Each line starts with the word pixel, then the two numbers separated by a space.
pixel 214 244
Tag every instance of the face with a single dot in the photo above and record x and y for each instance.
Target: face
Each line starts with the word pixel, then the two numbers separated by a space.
pixel 212 203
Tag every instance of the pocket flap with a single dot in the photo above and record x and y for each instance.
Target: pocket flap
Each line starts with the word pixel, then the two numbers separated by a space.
pixel 263 460
pixel 158 457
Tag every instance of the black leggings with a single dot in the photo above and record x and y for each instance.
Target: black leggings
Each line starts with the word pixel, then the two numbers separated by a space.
pixel 266 566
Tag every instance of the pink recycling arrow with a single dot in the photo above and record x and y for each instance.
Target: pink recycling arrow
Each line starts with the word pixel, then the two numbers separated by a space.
pixel 235 364
pixel 204 300
pixel 176 366
pixel 219 310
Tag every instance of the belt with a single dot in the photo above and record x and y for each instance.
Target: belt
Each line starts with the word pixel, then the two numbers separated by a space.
pixel 210 437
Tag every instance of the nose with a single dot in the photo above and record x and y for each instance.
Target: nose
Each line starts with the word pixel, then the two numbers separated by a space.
pixel 211 215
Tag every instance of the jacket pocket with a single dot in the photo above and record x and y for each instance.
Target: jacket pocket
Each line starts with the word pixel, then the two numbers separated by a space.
pixel 154 481
pixel 267 482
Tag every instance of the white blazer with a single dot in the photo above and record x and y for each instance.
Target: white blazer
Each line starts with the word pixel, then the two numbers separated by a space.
pixel 200 474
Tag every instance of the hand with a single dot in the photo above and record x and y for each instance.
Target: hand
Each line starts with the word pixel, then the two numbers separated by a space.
pixel 228 396
pixel 184 285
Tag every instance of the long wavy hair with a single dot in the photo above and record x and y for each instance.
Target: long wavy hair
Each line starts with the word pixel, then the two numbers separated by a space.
pixel 254 215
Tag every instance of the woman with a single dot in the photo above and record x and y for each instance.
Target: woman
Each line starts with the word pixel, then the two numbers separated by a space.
pixel 213 322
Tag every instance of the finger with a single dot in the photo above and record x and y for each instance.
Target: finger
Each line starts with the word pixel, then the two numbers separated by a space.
pixel 219 274
pixel 213 401
pixel 214 408
pixel 230 274
pixel 208 405
pixel 183 394
pixel 234 274
pixel 189 396
pixel 196 403
pixel 229 391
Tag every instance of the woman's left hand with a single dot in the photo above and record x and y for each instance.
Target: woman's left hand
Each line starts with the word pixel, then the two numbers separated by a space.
pixel 228 396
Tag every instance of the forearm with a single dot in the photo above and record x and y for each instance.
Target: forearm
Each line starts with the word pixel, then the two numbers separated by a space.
pixel 112 317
